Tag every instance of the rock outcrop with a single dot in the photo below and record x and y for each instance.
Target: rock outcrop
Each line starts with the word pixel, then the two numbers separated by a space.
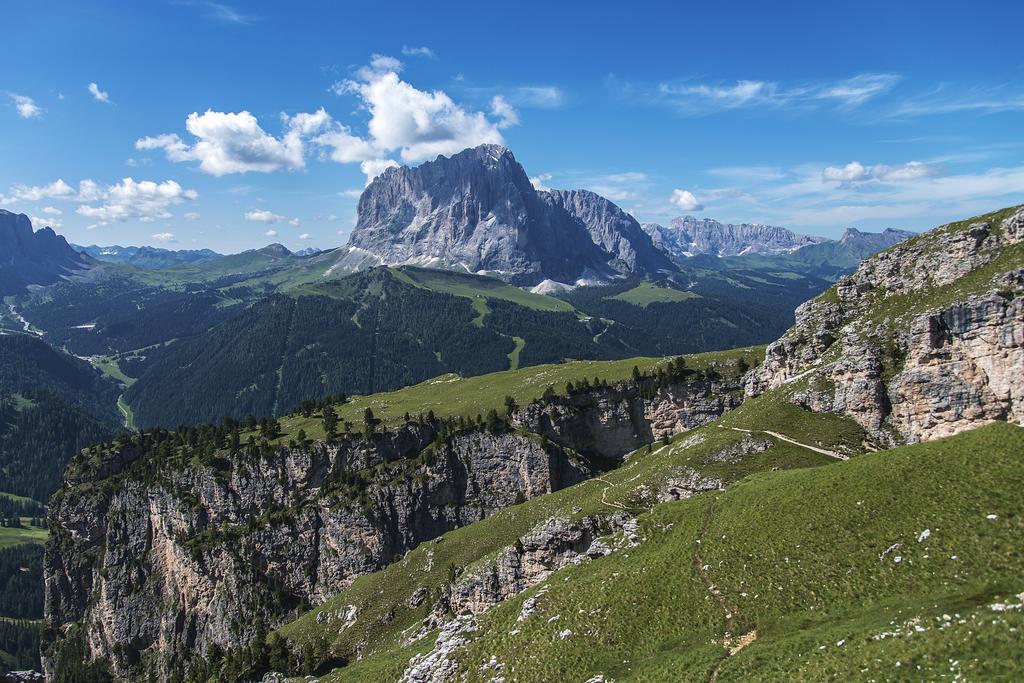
pixel 151 562
pixel 924 340
pixel 477 211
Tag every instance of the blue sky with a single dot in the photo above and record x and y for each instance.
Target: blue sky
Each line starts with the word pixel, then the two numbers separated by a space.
pixel 229 126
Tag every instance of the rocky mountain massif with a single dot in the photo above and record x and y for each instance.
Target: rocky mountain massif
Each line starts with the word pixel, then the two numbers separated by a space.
pixel 477 211
pixel 30 257
pixel 167 547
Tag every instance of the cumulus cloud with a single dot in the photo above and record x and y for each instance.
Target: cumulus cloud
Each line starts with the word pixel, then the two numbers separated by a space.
pixel 374 167
pixel 412 124
pixel 417 51
pixel 305 236
pixel 58 189
pixel 97 94
pixel 685 201
pixel 416 124
pixel 271 233
pixel 856 172
pixel 263 216
pixel 540 182
pixel 41 221
pixel 191 216
pixel 228 142
pixel 504 112
pixel 26 106
pixel 166 237
pixel 144 200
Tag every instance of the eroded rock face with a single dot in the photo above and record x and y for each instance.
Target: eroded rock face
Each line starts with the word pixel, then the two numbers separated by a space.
pixel 618 420
pixel 477 211
pixel 158 566
pixel 873 349
pixel 964 367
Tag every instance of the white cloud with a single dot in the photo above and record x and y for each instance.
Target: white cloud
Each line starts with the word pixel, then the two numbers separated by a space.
pixel 44 221
pixel 417 51
pixel 236 143
pixel 944 100
pixel 541 96
pixel 271 233
pixel 58 189
pixel 219 11
pixel 855 91
pixel 52 211
pixel 294 222
pixel 504 112
pixel 263 216
pixel 618 186
pixel 723 96
pixel 856 172
pixel 352 193
pixel 417 124
pixel 305 236
pixel 703 98
pixel 539 182
pixel 191 216
pixel 145 200
pixel 685 201
pixel 374 167
pixel 97 94
pixel 167 237
pixel 26 106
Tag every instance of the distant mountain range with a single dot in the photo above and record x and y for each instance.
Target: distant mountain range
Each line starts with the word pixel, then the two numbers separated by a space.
pixel 30 257
pixel 147 258
pixel 688 236
pixel 767 246
pixel 477 211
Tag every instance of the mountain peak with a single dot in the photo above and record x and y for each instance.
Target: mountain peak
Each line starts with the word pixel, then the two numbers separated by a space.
pixel 689 236
pixel 275 249
pixel 477 211
pixel 30 257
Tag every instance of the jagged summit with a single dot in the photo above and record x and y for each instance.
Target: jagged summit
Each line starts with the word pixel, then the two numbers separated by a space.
pixel 30 257
pixel 689 236
pixel 477 211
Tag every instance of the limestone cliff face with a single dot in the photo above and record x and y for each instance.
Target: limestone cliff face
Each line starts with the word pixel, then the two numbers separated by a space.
pixel 922 341
pixel 149 565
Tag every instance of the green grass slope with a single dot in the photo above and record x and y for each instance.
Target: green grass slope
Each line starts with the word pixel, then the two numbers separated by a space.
pixel 385 617
pixel 647 293
pixel 452 395
pixel 800 559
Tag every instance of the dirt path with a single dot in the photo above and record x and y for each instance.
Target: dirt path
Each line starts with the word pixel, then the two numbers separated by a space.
pixel 739 633
pixel 783 437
